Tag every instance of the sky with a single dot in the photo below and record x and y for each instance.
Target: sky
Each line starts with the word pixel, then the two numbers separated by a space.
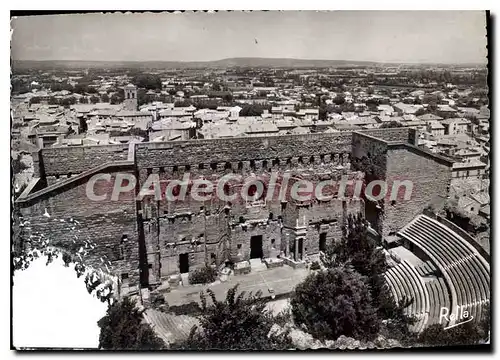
pixel 385 36
pixel 52 308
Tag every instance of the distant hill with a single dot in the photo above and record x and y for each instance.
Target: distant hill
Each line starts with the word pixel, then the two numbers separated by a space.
pixel 224 63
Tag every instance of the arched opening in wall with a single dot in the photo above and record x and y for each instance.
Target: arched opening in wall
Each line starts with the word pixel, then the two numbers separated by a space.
pixel 149 171
pixel 392 233
pixel 161 170
pixel 311 160
pixel 213 259
pixel 227 166
pixel 276 162
pixel 176 190
pixel 322 159
pixel 273 244
pixel 300 161
pixel 201 166
pixel 271 216
pixel 241 219
pixel 368 155
pixel 240 166
pixel 264 164
pixel 393 202
pixel 213 166
pixel 175 168
pixel 187 167
pixel 288 162
pixel 252 164
pixel 252 189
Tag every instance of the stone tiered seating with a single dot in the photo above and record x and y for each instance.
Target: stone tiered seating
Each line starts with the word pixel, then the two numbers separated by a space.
pixel 404 281
pixel 426 269
pixel 439 297
pixel 467 274
pixel 171 328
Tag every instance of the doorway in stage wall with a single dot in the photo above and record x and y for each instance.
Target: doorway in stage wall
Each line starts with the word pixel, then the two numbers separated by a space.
pixel 184 263
pixel 256 247
pixel 322 242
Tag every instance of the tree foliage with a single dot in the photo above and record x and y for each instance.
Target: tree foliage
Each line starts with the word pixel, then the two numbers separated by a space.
pixel 238 323
pixel 204 275
pixel 390 124
pixel 335 302
pixel 147 81
pixel 123 328
pixel 360 250
pixel 469 333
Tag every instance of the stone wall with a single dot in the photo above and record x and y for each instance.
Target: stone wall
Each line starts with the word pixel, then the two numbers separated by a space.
pixel 110 225
pixel 430 175
pixel 215 151
pixel 74 160
pixel 389 135
pixel 373 150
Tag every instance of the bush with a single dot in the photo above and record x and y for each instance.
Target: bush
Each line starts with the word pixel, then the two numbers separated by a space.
pixel 315 265
pixel 205 275
pixel 123 328
pixel 333 303
pixel 240 322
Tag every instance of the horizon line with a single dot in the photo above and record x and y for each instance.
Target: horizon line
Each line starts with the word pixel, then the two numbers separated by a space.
pixel 261 58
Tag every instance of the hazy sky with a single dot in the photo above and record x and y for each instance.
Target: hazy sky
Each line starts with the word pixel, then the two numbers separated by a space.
pixel 410 36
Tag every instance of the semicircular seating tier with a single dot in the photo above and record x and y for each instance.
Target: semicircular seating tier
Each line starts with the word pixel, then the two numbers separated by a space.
pixel 465 272
pixel 405 283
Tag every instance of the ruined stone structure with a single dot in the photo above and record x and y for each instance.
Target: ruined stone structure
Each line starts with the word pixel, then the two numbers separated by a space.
pixel 146 241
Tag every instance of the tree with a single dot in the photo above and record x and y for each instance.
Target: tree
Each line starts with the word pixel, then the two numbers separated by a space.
pixel 123 328
pixel 335 302
pixel 147 81
pixel 465 334
pixel 237 323
pixel 18 165
pixel 419 112
pixel 360 250
pixel 252 110
pixel 35 100
pixel 67 101
pixel 339 99
pixel 390 124
pixel 94 99
pixel 53 101
pixel 104 98
pixel 84 100
pixel 114 99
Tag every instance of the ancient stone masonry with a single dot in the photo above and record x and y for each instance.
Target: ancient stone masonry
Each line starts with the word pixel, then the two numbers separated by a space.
pixel 111 225
pixel 398 161
pixel 64 162
pixel 147 240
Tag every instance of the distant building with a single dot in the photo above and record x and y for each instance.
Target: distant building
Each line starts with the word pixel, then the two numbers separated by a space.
pixel 130 102
pixel 435 128
pixel 468 170
pixel 454 126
